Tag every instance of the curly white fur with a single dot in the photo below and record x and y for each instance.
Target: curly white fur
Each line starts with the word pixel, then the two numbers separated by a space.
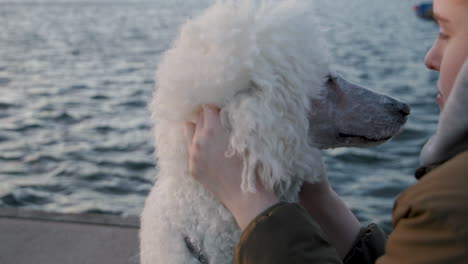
pixel 261 62
pixel 256 64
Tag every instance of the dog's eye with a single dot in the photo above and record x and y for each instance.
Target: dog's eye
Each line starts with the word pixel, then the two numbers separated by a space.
pixel 330 78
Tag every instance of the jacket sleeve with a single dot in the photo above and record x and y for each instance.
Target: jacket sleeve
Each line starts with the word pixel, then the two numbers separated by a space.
pixel 368 246
pixel 285 233
pixel 430 218
pixel 419 240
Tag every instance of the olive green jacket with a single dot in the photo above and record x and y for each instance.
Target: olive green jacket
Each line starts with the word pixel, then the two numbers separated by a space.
pixel 430 225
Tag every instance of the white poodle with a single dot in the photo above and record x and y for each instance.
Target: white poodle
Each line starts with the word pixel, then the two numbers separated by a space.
pixel 264 63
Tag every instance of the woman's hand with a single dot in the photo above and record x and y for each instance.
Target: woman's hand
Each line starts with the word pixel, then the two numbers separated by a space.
pixel 207 143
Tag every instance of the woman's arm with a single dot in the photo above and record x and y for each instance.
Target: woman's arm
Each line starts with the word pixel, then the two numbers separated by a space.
pixel 338 223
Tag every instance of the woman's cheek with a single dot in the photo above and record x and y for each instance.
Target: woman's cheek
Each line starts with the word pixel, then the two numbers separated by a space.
pixel 453 59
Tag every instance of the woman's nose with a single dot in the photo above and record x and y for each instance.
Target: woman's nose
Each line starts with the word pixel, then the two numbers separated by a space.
pixel 432 59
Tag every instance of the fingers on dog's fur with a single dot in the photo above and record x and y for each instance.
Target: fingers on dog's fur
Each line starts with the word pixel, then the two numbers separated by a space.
pixel 211 120
pixel 200 121
pixel 213 108
pixel 189 131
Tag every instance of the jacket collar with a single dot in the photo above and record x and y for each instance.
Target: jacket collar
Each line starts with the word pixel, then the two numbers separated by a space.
pixel 451 136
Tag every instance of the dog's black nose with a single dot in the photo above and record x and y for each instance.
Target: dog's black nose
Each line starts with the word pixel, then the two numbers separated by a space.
pixel 398 107
pixel 405 110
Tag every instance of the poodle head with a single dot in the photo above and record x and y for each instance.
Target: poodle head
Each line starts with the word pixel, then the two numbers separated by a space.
pixel 265 64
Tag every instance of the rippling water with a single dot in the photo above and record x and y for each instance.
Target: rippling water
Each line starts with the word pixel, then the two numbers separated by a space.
pixel 75 78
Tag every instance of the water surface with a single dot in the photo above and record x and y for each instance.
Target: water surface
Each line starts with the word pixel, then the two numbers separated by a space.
pixel 75 79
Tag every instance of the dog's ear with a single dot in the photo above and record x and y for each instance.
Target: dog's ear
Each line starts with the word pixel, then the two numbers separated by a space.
pixel 270 132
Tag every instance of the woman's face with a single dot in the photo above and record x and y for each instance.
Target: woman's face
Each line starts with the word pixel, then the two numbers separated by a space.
pixel 450 49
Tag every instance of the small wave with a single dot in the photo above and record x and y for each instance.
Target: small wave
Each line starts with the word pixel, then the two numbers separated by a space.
pixel 410 133
pixel 5 105
pixel 52 188
pixel 362 158
pixel 148 81
pixel 139 92
pixel 94 177
pixel 130 165
pixel 13 171
pixel 60 117
pixel 66 168
pixel 103 130
pixel 6 156
pixel 11 200
pixel 113 148
pixel 40 159
pixel 127 70
pixel 99 97
pixel 108 82
pixel 137 34
pixel 138 165
pixel 78 87
pixel 135 103
pixel 364 76
pixel 65 117
pixel 144 126
pixel 102 211
pixel 23 199
pixel 152 52
pixel 388 72
pixel 29 198
pixel 25 127
pixel 362 215
pixel 141 181
pixel 385 191
pixel 4 81
pixel 76 52
pixel 47 107
pixel 113 190
pixel 402 89
pixel 4 138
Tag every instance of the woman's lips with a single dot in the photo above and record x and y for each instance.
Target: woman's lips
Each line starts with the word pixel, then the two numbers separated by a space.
pixel 439 98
